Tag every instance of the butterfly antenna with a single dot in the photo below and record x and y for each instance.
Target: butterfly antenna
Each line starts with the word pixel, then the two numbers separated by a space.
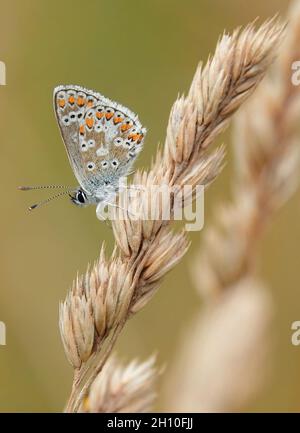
pixel 29 188
pixel 42 203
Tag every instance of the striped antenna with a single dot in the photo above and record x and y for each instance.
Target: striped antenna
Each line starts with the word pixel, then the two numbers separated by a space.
pixel 29 188
pixel 41 203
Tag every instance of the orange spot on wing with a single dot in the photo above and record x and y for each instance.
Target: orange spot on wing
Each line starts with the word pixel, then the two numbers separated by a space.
pixel 134 137
pixel 81 129
pixel 62 103
pixel 80 101
pixel 141 136
pixel 71 100
pixel 99 114
pixel 109 115
pixel 118 120
pixel 90 103
pixel 125 127
pixel 90 122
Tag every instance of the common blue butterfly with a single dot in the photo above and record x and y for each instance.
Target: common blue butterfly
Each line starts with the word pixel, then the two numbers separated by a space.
pixel 102 139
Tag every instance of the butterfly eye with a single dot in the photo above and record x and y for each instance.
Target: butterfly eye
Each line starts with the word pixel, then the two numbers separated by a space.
pixel 66 120
pixel 118 141
pixel 115 163
pixel 91 143
pixel 104 164
pixel 81 197
pixel 90 166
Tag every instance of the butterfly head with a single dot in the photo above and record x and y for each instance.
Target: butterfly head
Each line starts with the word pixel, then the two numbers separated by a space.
pixel 81 198
pixel 104 194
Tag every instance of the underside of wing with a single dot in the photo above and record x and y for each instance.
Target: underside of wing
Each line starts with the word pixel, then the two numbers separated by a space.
pixel 102 138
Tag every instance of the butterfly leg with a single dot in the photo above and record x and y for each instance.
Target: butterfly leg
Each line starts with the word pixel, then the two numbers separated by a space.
pixel 122 208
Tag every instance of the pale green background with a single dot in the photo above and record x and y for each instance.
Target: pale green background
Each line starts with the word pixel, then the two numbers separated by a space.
pixel 141 53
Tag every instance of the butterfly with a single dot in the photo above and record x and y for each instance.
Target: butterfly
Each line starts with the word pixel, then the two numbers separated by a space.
pixel 102 138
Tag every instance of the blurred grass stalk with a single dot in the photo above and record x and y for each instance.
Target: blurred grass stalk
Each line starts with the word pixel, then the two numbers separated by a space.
pixel 100 302
pixel 123 388
pixel 222 362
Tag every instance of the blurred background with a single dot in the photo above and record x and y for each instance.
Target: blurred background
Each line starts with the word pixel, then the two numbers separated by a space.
pixel 141 54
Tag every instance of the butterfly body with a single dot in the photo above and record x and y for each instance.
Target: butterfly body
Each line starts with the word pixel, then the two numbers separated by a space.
pixel 102 139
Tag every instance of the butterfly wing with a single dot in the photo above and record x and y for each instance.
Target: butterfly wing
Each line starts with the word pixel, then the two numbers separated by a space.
pixel 102 138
